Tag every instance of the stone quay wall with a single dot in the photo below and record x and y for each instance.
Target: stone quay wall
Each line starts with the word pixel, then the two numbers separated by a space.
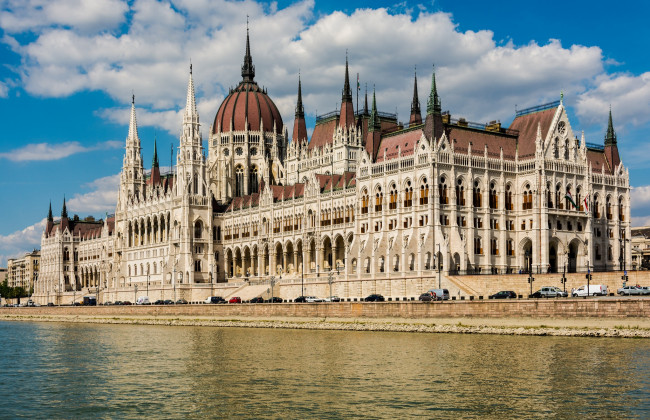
pixel 630 307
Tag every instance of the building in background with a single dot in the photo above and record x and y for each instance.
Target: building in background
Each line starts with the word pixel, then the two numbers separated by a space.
pixel 23 272
pixel 641 248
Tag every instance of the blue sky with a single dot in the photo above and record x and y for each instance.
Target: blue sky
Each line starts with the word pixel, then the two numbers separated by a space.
pixel 69 68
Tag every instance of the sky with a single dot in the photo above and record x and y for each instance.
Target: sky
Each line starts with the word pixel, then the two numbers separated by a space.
pixel 70 67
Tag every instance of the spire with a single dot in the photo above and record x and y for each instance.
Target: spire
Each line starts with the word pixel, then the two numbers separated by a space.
pixel 300 110
pixel 50 218
pixel 374 124
pixel 416 116
pixel 154 163
pixel 610 136
pixel 133 125
pixel 433 105
pixel 190 104
pixel 64 212
pixel 248 69
pixel 347 92
pixel 299 125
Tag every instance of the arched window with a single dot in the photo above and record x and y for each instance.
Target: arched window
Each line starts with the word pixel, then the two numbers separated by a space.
pixel 379 199
pixel 239 181
pixel 408 194
pixel 195 183
pixel 477 197
pixel 508 197
pixel 253 180
pixel 442 191
pixel 392 205
pixel 460 193
pixel 424 192
pixel 608 208
pixel 494 199
pixel 198 229
pixel 364 202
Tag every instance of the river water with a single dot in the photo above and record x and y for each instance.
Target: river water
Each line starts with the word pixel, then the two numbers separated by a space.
pixel 57 370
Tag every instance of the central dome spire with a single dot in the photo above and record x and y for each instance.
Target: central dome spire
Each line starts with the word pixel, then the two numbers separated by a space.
pixel 248 69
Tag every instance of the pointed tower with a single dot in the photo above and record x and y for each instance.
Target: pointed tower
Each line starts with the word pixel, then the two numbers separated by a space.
pixel 416 116
pixel 247 69
pixel 611 147
pixel 190 162
pixel 374 130
pixel 433 127
pixel 50 221
pixel 65 222
pixel 299 125
pixel 132 176
pixel 155 167
pixel 347 110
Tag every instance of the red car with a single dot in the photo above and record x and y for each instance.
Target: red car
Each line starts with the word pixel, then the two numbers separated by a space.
pixel 235 299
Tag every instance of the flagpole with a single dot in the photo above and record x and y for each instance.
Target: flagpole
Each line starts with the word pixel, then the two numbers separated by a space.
pixel 357 92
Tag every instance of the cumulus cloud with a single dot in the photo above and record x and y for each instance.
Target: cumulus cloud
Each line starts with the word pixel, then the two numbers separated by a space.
pixel 102 197
pixel 18 243
pixel 47 151
pixel 640 205
pixel 152 52
pixel 20 16
pixel 4 90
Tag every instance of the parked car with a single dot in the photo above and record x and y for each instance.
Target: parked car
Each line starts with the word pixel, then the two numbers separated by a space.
pixel 257 299
pixel 215 300
pixel 50 304
pixel 235 299
pixel 181 302
pixel 168 302
pixel 594 290
pixel 504 294
pixel 441 294
pixel 630 290
pixel 143 300
pixel 312 299
pixel 374 298
pixel 427 297
pixel 549 291
pixel 332 299
pixel 300 299
pixel 645 290
pixel 126 302
pixel 159 302
pixel 274 299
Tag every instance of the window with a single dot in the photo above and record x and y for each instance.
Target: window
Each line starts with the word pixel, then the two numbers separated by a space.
pixel 478 249
pixel 198 229
pixel 364 202
pixel 424 192
pixel 510 248
pixel 494 247
pixel 494 199
pixel 460 193
pixel 392 205
pixel 442 191
pixel 379 198
pixel 239 181
pixel 408 195
pixel 477 197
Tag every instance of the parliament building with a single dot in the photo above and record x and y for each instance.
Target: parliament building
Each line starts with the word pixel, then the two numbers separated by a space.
pixel 368 203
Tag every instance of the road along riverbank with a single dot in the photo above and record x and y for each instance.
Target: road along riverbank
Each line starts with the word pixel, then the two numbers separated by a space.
pixel 577 317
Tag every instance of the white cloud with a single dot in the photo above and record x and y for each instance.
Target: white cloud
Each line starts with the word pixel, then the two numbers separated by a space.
pixel 20 16
pixel 101 199
pixel 640 205
pixel 4 90
pixel 16 244
pixel 47 151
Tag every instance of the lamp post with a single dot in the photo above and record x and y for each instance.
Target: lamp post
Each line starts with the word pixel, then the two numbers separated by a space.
pixel 302 274
pixel 439 266
pixel 148 276
pixel 531 279
pixel 563 280
pixel 272 281
pixel 588 277
pixel 135 294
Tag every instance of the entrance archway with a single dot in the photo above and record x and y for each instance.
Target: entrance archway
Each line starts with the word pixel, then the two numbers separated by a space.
pixel 572 263
pixel 526 255
pixel 552 257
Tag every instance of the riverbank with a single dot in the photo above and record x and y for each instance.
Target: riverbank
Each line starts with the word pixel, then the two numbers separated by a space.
pixel 576 327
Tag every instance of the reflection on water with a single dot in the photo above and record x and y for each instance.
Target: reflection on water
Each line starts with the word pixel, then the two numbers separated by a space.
pixel 50 370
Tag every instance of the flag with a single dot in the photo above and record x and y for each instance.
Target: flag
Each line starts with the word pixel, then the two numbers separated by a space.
pixel 586 204
pixel 358 84
pixel 568 197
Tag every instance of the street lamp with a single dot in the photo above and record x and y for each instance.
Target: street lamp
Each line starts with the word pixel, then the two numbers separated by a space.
pixel 588 277
pixel 531 279
pixel 135 294
pixel 439 264
pixel 272 281
pixel 148 276
pixel 302 274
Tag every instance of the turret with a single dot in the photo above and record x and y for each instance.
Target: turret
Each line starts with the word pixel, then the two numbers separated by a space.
pixel 611 147
pixel 374 130
pixel 347 110
pixel 299 125
pixel 50 221
pixel 155 167
pixel 416 116
pixel 433 127
pixel 65 223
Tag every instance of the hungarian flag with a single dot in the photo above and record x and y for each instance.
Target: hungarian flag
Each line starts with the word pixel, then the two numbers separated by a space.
pixel 358 84
pixel 568 197
pixel 587 204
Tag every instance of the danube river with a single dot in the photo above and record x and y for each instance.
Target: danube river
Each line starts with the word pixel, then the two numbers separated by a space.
pixel 57 370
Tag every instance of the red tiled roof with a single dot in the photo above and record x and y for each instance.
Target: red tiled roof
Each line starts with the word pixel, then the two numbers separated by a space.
pixel 404 142
pixel 597 159
pixel 248 102
pixel 460 138
pixel 323 134
pixel 527 127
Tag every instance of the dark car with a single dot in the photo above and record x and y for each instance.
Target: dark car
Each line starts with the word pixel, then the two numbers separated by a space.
pixel 181 302
pixel 50 304
pixel 159 302
pixel 257 299
pixel 427 297
pixel 168 302
pixel 300 299
pixel 374 298
pixel 274 299
pixel 234 299
pixel 217 299
pixel 504 294
pixel 126 302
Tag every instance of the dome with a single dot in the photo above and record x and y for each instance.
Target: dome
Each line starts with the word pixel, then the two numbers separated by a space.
pixel 248 102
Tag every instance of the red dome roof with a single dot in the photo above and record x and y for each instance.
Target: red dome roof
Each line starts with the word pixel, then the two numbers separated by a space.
pixel 248 102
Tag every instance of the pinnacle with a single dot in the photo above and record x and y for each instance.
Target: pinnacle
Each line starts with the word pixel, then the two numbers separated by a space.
pixel 433 105
pixel 133 124
pixel 610 136
pixel 248 69
pixel 347 92
pixel 190 104
pixel 300 110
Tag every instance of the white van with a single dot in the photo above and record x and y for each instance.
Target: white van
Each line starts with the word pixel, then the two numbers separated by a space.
pixel 594 290
pixel 441 294
pixel 143 300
